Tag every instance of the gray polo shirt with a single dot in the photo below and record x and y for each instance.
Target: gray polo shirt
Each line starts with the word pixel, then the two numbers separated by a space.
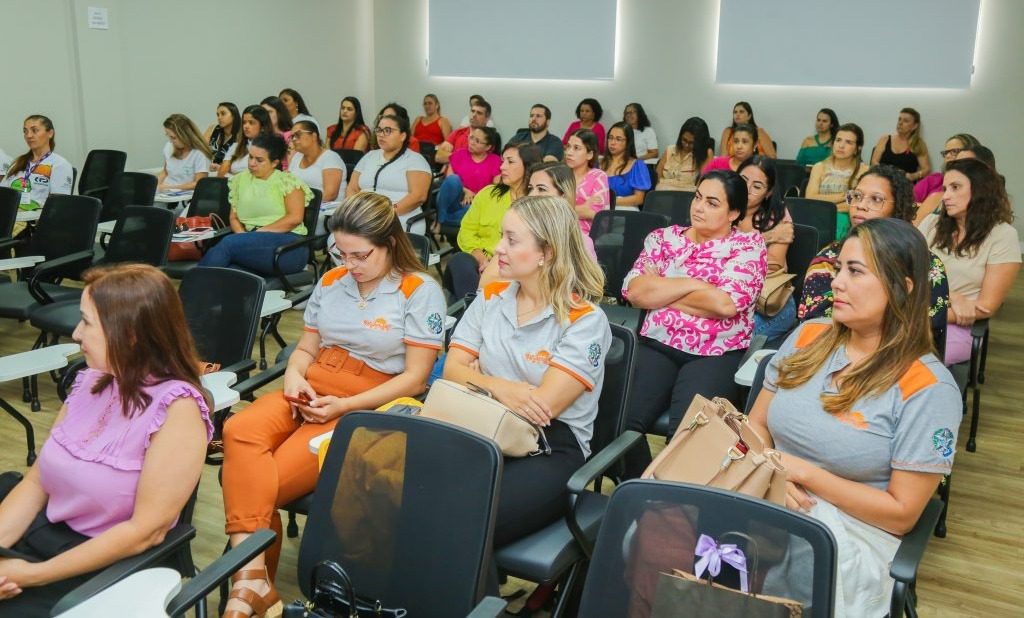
pixel 489 330
pixel 402 311
pixel 912 426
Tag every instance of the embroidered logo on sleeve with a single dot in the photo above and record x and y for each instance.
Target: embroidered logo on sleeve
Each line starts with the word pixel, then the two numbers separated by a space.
pixel 434 323
pixel 943 442
pixel 594 354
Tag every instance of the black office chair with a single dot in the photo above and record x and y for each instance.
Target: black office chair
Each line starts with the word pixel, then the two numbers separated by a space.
pixel 9 202
pixel 291 282
pixel 209 199
pixel 386 524
pixel 790 175
pixel 819 214
pixel 127 189
pixel 652 527
pixel 99 171
pixel 799 255
pixel 559 553
pixel 141 235
pixel 350 158
pixel 673 204
pixel 652 171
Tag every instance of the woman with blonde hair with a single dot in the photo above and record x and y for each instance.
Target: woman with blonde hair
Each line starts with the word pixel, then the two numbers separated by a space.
pixel 186 155
pixel 864 415
pixel 905 148
pixel 537 340
pixel 373 328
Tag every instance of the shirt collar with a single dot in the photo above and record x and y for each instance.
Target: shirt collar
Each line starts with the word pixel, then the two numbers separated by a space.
pixel 510 307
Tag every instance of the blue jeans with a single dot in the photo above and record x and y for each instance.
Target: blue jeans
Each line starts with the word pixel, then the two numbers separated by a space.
pixel 254 252
pixel 449 201
pixel 777 326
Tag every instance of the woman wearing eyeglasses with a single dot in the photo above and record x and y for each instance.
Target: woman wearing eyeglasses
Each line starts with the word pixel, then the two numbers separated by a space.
pixel 373 328
pixel 314 164
pixel 394 171
pixel 883 191
pixel 932 183
pixel 267 208
pixel 833 177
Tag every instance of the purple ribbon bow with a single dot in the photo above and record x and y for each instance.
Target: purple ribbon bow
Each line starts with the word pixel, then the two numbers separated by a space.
pixel 712 555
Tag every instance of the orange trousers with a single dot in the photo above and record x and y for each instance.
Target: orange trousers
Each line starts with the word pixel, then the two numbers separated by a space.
pixel 267 462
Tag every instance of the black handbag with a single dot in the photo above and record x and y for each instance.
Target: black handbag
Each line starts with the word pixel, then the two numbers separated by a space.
pixel 333 596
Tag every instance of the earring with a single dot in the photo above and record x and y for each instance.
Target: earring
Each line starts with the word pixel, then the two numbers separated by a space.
pixel 540 263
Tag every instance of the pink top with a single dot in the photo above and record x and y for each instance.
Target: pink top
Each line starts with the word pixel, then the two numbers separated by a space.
pixel 475 176
pixel 90 465
pixel 736 264
pixel 932 183
pixel 717 163
pixel 598 130
pixel 594 183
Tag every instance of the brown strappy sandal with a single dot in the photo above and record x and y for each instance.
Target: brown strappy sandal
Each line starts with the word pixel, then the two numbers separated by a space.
pixel 262 606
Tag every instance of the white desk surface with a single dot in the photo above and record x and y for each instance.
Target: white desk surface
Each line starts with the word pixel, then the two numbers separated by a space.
pixel 745 374
pixel 219 384
pixel 33 362
pixel 274 302
pixel 171 197
pixel 25 261
pixel 25 216
pixel 106 227
pixel 314 443
pixel 193 237
pixel 145 593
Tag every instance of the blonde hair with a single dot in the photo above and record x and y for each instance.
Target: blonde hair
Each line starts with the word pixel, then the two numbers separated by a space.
pixel 372 216
pixel 188 133
pixel 569 278
pixel 894 252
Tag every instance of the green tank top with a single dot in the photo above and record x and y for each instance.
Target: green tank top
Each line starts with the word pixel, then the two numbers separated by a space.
pixel 809 155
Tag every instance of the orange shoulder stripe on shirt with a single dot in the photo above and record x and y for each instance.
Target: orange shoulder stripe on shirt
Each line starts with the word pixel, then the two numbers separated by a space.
pixel 409 284
pixel 496 287
pixel 333 275
pixel 467 349
pixel 575 314
pixel 918 377
pixel 809 333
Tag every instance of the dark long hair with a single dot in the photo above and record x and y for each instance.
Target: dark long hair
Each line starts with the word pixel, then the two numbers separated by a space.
pixel 147 337
pixel 300 103
pixel 642 121
pixel 357 122
pixel 218 135
pixel 284 117
pixel 833 123
pixel 750 110
pixel 773 209
pixel 403 127
pixel 630 149
pixel 735 190
pixel 21 163
pixel 589 139
pixel 261 116
pixel 989 206
pixel 702 143
pixel 530 154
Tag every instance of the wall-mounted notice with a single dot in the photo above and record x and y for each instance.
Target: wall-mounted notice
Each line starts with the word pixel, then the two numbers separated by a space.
pixel 99 18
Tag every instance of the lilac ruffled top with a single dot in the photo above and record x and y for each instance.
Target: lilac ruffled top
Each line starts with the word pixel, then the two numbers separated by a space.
pixel 91 463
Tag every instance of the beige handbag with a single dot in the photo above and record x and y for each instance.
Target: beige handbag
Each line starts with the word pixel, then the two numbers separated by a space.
pixel 776 290
pixel 708 449
pixel 475 409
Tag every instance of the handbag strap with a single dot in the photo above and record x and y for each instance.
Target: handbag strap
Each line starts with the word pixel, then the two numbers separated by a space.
pixel 320 586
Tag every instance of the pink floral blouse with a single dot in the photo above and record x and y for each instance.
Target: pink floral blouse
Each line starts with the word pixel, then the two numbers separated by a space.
pixel 594 183
pixel 736 264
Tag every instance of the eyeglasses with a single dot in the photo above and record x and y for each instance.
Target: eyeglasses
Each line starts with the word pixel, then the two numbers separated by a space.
pixel 352 258
pixel 384 130
pixel 297 134
pixel 616 138
pixel 952 152
pixel 873 204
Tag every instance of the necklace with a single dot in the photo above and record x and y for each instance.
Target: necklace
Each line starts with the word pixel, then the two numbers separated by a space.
pixel 364 300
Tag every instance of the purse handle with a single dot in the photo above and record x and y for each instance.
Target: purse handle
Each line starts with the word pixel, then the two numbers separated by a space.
pixel 318 585
pixel 543 448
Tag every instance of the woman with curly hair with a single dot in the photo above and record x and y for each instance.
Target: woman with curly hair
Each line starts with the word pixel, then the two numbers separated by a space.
pixel 980 248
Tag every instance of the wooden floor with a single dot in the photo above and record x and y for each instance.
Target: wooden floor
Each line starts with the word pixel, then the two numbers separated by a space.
pixel 978 570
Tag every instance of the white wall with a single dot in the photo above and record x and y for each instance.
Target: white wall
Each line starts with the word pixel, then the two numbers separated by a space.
pixel 666 61
pixel 113 88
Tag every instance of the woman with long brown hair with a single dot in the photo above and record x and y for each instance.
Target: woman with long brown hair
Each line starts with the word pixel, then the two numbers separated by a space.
pixel 864 415
pixel 40 171
pixel 126 450
pixel 373 328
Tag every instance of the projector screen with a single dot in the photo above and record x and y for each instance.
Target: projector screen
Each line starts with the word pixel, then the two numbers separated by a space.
pixel 530 39
pixel 887 43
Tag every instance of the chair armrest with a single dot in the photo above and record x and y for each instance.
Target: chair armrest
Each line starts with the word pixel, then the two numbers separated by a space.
pixel 10 242
pixel 301 296
pixel 95 191
pixel 241 367
pixel 283 249
pixel 756 343
pixel 488 607
pixel 179 536
pixel 261 379
pixel 912 546
pixel 414 219
pixel 979 328
pixel 221 569
pixel 50 269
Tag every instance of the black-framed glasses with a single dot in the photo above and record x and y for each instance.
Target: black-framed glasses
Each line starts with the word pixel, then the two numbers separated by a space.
pixel 872 203
pixel 351 258
pixel 299 133
pixel 952 152
pixel 384 130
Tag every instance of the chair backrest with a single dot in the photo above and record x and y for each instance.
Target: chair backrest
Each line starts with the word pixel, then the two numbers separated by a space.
pixel 210 197
pixel 429 150
pixel 757 382
pixel 222 308
pixel 806 242
pixel 652 527
pixel 128 189
pixel 422 246
pixel 618 239
pixel 311 216
pixel 349 157
pixel 406 506
pixel 66 225
pixel 673 204
pixel 141 234
pixel 619 371
pixel 819 214
pixel 98 172
pixel 789 175
pixel 9 202
pixel 652 171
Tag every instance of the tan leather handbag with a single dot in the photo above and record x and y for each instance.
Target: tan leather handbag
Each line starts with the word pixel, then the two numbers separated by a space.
pixel 715 446
pixel 776 290
pixel 475 409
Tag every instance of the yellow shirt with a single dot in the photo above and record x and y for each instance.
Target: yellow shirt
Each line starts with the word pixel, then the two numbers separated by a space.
pixel 481 226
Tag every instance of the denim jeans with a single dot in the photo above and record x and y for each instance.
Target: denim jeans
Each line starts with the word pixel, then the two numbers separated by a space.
pixel 776 327
pixel 449 201
pixel 254 252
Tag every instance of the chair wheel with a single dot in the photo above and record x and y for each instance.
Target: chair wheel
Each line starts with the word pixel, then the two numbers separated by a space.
pixel 971 445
